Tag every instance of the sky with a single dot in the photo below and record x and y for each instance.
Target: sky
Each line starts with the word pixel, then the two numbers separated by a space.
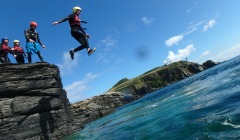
pixel 131 37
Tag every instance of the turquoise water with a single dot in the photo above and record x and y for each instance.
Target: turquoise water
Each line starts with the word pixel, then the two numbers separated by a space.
pixel 204 106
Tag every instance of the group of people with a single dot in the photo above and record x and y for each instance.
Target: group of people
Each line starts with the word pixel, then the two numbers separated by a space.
pixel 33 42
pixel 32 45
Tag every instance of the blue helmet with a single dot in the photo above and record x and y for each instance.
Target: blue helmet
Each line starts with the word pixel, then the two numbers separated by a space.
pixel 4 38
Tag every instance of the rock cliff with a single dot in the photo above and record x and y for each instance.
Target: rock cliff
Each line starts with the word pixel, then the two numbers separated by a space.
pixel 33 104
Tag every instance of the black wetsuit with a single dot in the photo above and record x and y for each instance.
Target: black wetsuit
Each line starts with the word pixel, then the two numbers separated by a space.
pixel 32 34
pixel 77 31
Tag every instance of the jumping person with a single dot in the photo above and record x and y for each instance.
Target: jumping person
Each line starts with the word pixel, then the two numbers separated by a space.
pixel 77 31
pixel 4 50
pixel 33 42
pixel 18 52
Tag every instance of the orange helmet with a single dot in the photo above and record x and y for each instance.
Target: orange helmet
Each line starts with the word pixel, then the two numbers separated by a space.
pixel 33 24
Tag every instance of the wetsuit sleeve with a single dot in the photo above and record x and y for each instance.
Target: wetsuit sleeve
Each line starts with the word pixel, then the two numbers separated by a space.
pixel 26 35
pixel 66 18
pixel 38 38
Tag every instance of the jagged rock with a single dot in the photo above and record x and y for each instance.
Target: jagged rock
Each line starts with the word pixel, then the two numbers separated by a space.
pixel 33 104
pixel 98 106
pixel 209 64
pixel 195 68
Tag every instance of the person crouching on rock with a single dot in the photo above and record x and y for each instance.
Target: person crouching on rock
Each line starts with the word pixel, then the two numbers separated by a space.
pixel 4 50
pixel 33 42
pixel 18 52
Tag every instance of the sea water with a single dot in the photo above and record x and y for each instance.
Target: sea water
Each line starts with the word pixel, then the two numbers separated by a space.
pixel 201 107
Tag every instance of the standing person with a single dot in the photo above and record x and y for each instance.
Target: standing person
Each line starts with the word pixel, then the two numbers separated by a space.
pixel 33 42
pixel 4 50
pixel 18 52
pixel 77 31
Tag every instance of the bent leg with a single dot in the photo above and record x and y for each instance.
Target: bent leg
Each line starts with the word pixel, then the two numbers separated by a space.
pixel 81 38
pixel 7 60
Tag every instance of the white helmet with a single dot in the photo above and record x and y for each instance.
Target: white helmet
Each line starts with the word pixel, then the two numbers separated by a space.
pixel 16 41
pixel 76 8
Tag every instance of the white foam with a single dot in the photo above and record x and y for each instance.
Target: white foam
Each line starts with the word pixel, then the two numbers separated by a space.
pixel 233 125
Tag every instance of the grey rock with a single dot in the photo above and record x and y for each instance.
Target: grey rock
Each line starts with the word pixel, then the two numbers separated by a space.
pixel 209 64
pixel 33 104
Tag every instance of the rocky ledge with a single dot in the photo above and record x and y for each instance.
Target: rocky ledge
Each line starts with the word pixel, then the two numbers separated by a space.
pixel 33 104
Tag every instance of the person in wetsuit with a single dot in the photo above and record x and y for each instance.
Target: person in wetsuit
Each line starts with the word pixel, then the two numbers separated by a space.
pixel 4 50
pixel 33 42
pixel 77 31
pixel 18 52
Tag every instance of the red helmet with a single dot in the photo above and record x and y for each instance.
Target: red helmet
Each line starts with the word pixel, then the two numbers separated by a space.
pixel 33 24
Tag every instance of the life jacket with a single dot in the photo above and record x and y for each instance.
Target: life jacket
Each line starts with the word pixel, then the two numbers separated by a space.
pixel 75 22
pixel 17 49
pixel 32 34
pixel 5 48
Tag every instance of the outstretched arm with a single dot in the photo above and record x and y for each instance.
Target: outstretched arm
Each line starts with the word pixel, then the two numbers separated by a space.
pixel 63 20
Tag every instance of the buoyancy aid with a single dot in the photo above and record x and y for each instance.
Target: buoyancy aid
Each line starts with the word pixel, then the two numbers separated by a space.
pixel 5 48
pixel 32 34
pixel 75 22
pixel 17 49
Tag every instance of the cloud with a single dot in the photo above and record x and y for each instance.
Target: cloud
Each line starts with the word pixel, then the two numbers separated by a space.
pixel 173 40
pixel 107 44
pixel 227 54
pixel 205 53
pixel 109 41
pixel 68 64
pixel 176 39
pixel 182 54
pixel 147 21
pixel 75 90
pixel 209 25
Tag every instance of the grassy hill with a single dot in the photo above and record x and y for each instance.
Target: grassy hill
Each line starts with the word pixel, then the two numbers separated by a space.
pixel 158 77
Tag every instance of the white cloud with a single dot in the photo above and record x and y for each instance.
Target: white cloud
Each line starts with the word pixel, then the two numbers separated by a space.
pixel 173 40
pixel 193 27
pixel 227 54
pixel 107 45
pixel 76 89
pixel 109 41
pixel 205 53
pixel 209 25
pixel 182 54
pixel 176 39
pixel 68 64
pixel 147 21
